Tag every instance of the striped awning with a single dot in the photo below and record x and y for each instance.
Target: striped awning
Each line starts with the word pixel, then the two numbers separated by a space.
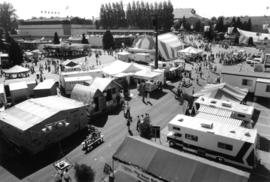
pixel 144 42
pixel 168 45
pixel 215 111
pixel 222 120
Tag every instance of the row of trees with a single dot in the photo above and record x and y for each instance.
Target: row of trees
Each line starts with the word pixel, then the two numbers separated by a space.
pixel 138 15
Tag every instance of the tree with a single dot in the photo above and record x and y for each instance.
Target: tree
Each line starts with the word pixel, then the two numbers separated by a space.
pixel 233 22
pixel 198 26
pixel 220 24
pixel 250 41
pixel 108 40
pixel 239 23
pixel 84 40
pixel 15 53
pixel 7 17
pixel 84 173
pixel 56 38
pixel 249 25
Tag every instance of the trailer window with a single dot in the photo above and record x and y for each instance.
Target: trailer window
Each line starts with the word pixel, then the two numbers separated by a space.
pixel 225 146
pixel 267 88
pixel 247 82
pixel 176 128
pixel 178 135
pixel 191 137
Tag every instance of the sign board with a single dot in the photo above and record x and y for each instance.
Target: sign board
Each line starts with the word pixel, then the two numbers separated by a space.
pixel 155 131
pixel 137 173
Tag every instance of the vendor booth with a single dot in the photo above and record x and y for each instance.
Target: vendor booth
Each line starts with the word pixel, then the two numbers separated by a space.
pixel 153 79
pixel 16 72
pixel 70 65
pixel 45 88
pixel 90 96
pixel 18 92
pixel 70 82
pixel 123 56
pixel 110 90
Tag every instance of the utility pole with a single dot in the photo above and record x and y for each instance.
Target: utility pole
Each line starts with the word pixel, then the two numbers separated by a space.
pixel 155 24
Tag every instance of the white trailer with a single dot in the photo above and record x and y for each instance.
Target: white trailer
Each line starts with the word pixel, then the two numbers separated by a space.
pixel 236 110
pixel 227 144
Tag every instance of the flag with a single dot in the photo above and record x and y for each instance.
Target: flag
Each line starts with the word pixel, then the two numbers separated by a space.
pixel 193 11
pixel 230 30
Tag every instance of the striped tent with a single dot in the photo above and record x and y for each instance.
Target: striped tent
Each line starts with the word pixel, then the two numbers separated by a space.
pixel 168 45
pixel 144 42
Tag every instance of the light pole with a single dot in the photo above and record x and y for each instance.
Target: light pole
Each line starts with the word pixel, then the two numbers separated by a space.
pixel 155 24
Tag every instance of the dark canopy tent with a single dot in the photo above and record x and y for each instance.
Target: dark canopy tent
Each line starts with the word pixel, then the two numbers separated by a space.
pixel 167 164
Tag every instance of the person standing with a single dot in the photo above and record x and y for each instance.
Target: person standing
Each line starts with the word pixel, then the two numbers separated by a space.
pixel 128 111
pixel 138 124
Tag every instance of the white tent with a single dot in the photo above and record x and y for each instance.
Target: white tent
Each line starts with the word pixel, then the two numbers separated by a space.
pixel 120 67
pixel 190 51
pixel 149 75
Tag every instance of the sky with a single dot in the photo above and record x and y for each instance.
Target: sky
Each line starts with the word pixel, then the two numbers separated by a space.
pixel 26 9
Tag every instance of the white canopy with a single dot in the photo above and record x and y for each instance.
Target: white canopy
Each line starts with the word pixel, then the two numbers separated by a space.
pixel 147 74
pixel 16 69
pixel 120 67
pixel 191 50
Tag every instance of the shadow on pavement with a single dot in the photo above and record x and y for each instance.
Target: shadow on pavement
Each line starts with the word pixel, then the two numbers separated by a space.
pixel 264 144
pixel 157 94
pixel 264 102
pixel 23 164
pixel 99 121
pixel 255 116
pixel 260 174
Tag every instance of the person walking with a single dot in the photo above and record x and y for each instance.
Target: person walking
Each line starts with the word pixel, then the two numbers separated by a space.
pixel 66 176
pixel 138 124
pixel 128 123
pixel 127 110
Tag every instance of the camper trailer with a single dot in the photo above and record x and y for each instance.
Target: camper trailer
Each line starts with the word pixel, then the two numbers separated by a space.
pixel 227 144
pixel 235 110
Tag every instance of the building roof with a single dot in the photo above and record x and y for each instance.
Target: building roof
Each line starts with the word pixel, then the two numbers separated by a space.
pixel 18 86
pixel 171 165
pixel 101 83
pixel 244 72
pixel 185 12
pixel 196 123
pixel 46 84
pixel 118 66
pixel 225 105
pixel 222 120
pixel 16 69
pixel 78 78
pixel 83 93
pixel 33 111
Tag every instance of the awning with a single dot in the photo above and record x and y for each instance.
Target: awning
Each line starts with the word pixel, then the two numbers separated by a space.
pixel 222 91
pixel 167 164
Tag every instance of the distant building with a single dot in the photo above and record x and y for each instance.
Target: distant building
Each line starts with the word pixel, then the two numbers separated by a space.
pixel 258 83
pixel 46 27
